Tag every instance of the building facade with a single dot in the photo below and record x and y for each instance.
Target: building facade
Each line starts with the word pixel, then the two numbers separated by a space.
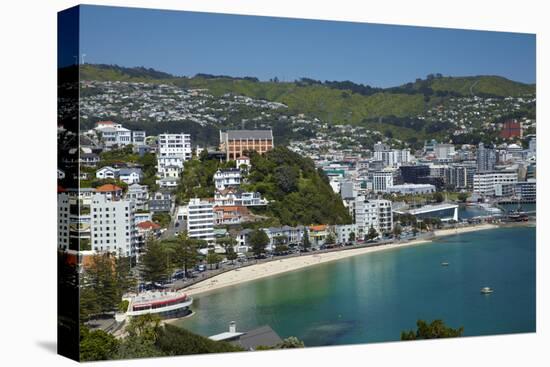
pixel 376 213
pixel 235 142
pixel 493 183
pixel 200 219
pixel 113 226
pixel 486 158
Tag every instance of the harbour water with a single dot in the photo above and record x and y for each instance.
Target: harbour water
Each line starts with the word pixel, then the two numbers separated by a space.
pixel 373 297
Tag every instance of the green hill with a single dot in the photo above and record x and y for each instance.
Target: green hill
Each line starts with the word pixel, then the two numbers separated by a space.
pixel 488 85
pixel 298 193
pixel 339 102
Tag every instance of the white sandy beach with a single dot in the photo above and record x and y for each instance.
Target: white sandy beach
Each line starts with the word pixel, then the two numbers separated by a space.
pixel 270 268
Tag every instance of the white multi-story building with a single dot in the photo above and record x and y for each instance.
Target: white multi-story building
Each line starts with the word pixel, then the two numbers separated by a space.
pixel 494 183
pixel 130 175
pixel 227 177
pixel 412 189
pixel 233 197
pixel 138 137
pixel 112 226
pixel 200 219
pixel 175 145
pixel 343 232
pixel 393 158
pixel 444 151
pixel 376 213
pixel 382 180
pixel 140 195
pixel 63 221
pixel 113 134
pixel 169 166
pixel 173 151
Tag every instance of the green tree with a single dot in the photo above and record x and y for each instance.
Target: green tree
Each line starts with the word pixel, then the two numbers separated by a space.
pixel 226 242
pixel 258 240
pixel 286 178
pixel 352 236
pixel 281 244
pixel 231 254
pixel 462 197
pixel 330 239
pixel 174 340
pixel 372 234
pixel 212 258
pixel 290 343
pixel 187 251
pixel 204 155
pixel 397 230
pixel 97 345
pixel 438 197
pixel 125 280
pixel 100 290
pixel 154 266
pixel 434 330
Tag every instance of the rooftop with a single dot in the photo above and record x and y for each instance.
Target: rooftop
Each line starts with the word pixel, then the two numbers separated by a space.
pixel 249 134
pixel 108 188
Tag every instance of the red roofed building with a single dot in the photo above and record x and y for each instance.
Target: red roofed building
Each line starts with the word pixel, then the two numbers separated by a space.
pixel 112 192
pixel 511 129
pixel 148 226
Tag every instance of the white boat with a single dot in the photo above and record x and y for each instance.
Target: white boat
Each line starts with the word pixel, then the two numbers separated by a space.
pixel 486 290
pixel 444 263
pixel 166 304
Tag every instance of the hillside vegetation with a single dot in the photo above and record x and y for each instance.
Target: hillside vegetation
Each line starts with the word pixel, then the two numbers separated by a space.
pixel 299 193
pixel 337 102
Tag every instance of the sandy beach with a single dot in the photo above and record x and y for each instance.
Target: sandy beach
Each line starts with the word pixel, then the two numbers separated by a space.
pixel 253 272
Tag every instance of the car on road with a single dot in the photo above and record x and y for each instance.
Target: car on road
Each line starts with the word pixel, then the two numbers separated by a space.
pixel 201 268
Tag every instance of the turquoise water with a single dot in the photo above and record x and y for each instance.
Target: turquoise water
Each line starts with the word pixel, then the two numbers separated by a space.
pixel 373 297
pixel 465 212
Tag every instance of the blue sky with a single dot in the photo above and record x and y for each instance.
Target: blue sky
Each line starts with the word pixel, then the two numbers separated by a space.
pixel 186 43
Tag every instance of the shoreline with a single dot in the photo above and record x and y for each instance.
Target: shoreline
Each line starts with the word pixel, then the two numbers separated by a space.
pixel 275 267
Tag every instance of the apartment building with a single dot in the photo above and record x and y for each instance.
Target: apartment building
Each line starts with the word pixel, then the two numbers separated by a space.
pixel 227 178
pixel 200 219
pixel 112 225
pixel 376 213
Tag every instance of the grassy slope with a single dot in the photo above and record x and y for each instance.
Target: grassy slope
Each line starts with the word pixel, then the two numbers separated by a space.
pixel 489 84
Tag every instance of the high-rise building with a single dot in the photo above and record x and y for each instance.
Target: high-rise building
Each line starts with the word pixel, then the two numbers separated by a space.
pixel 112 225
pixel 392 158
pixel 460 176
pixel 486 158
pixel 200 219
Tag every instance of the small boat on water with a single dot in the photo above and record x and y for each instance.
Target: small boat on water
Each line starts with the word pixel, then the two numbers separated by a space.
pixel 444 263
pixel 486 290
